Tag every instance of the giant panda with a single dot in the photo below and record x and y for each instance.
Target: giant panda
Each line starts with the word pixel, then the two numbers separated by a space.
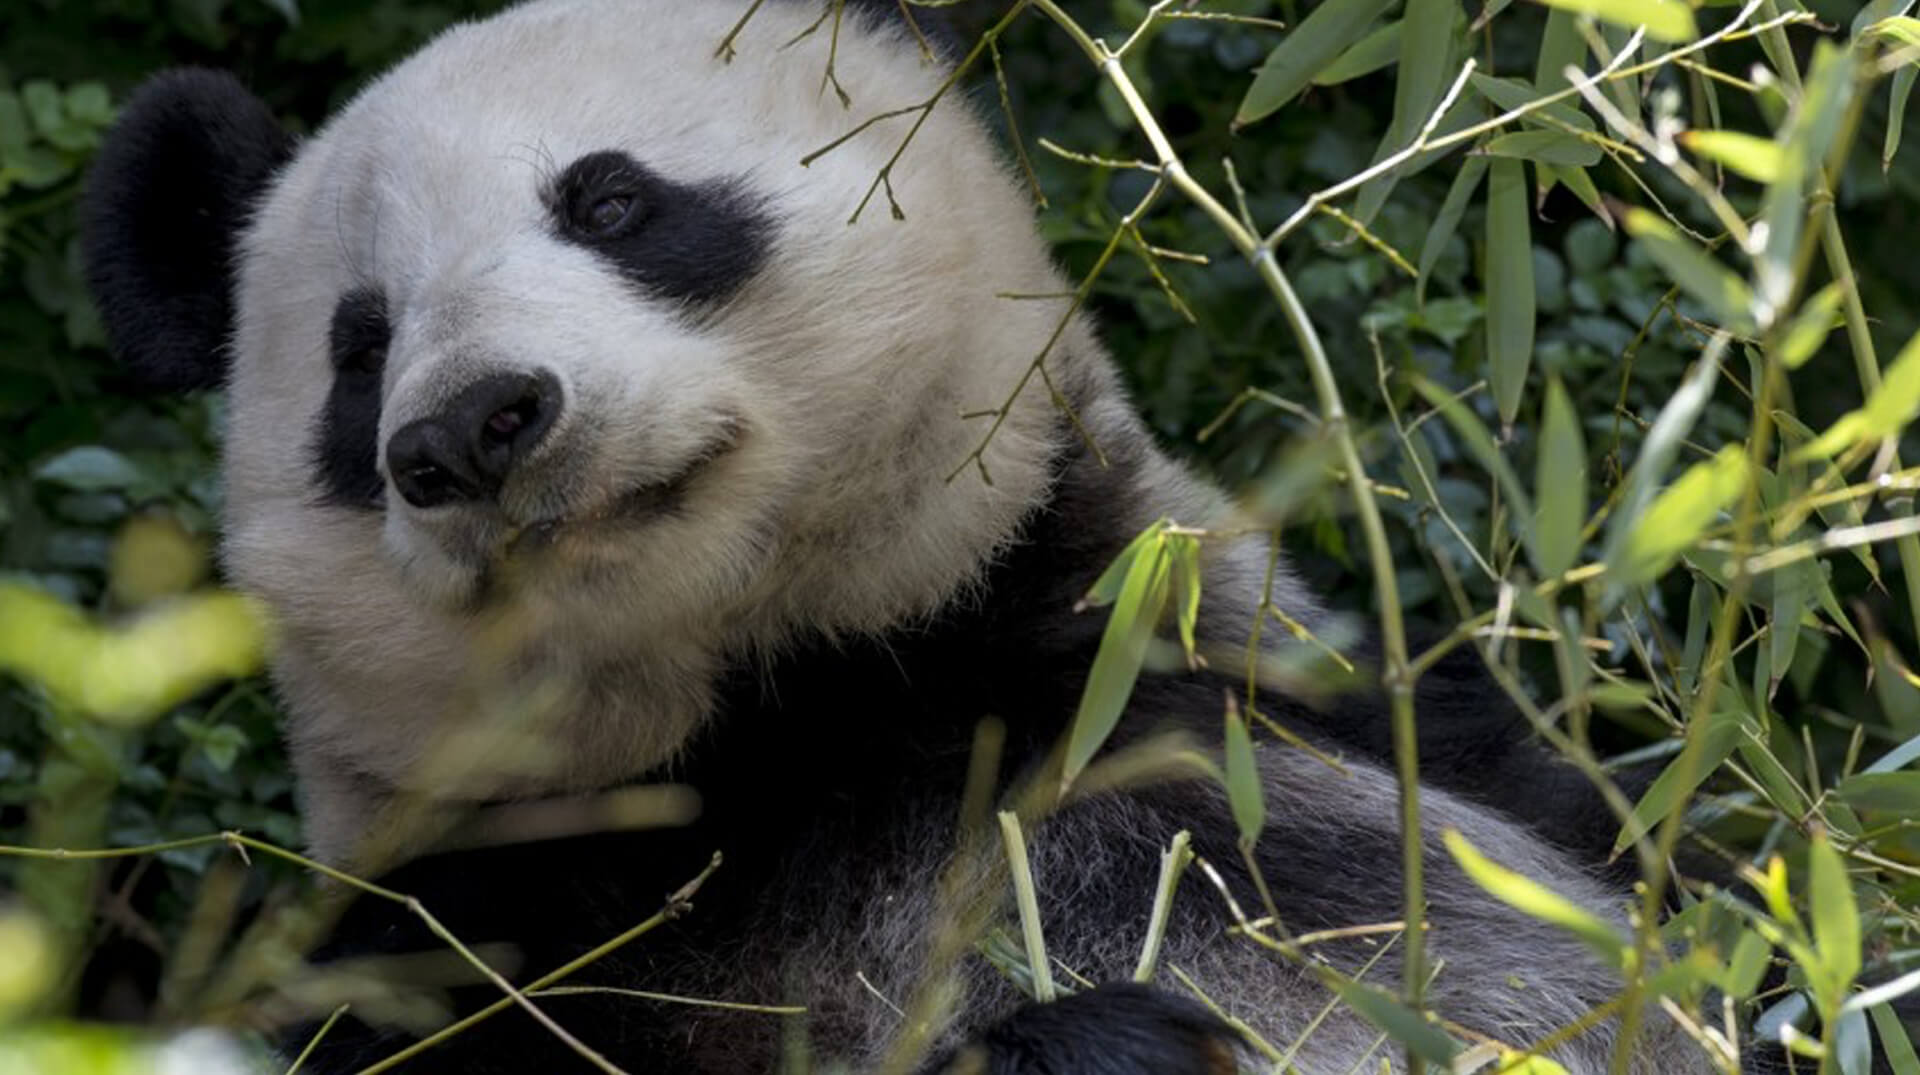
pixel 579 444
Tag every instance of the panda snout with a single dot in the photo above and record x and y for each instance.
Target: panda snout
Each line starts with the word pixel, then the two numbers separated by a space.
pixel 464 452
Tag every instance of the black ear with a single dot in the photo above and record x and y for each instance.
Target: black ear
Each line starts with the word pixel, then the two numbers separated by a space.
pixel 165 201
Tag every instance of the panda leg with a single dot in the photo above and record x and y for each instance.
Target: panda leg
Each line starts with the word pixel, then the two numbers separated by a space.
pixel 1121 1028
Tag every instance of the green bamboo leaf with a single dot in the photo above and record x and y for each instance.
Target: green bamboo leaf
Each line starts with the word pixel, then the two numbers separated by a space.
pixel 1899 87
pixel 1400 1022
pixel 1746 966
pixel 1532 898
pixel 1793 591
pixel 1676 783
pixel 1106 589
pixel 1427 47
pixel 1243 779
pixel 1895 793
pixel 1665 20
pixel 1836 919
pixel 1700 608
pixel 1758 159
pixel 1545 147
pixel 1447 221
pixel 1679 515
pixel 1887 410
pixel 1312 46
pixel 1874 10
pixel 1894 1041
pixel 1509 285
pixel 1662 443
pixel 1899 29
pixel 1804 141
pixel 1479 444
pixel 1560 484
pixel 1693 269
pixel 1380 48
pixel 1763 757
pixel 1508 94
pixel 1578 181
pixel 1185 551
pixel 1561 47
pixel 1123 648
pixel 1810 327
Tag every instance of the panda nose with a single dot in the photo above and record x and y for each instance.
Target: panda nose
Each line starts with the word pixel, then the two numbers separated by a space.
pixel 465 452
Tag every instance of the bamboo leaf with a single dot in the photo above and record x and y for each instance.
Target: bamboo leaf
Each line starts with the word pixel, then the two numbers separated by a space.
pixel 1560 48
pixel 1106 588
pixel 1836 919
pixel 1755 158
pixel 1676 782
pixel 1811 326
pixel 1545 147
pixel 1898 29
pixel 1401 1023
pixel 1509 94
pixel 1665 20
pixel 1899 87
pixel 1447 220
pixel 1662 443
pixel 1479 444
pixel 1509 284
pixel 1887 410
pixel 1578 181
pixel 1804 142
pixel 1894 1041
pixel 1312 47
pixel 1243 779
pixel 1894 793
pixel 1875 10
pixel 1380 48
pixel 1679 515
pixel 1123 648
pixel 1693 269
pixel 1427 47
pixel 1560 484
pixel 1532 898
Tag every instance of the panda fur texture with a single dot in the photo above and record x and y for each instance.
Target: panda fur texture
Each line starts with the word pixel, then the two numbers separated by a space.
pixel 557 386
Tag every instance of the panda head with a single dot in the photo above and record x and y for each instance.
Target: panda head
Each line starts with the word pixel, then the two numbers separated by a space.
pixel 551 327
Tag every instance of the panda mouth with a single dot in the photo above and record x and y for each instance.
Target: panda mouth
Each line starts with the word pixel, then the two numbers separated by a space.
pixel 641 503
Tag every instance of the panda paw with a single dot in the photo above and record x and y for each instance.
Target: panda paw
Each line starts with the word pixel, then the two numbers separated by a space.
pixel 1115 1029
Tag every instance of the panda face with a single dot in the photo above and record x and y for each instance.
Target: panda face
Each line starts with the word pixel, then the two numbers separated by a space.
pixel 550 328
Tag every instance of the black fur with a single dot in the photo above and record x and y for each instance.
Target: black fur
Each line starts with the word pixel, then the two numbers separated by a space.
pixel 169 193
pixel 817 771
pixel 694 243
pixel 346 438
pixel 1116 1029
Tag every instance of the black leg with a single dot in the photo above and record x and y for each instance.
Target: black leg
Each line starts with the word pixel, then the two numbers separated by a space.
pixel 1116 1029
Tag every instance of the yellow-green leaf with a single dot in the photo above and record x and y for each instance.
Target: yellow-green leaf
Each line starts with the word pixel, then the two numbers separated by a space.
pixel 1311 48
pixel 1509 281
pixel 1693 269
pixel 1665 20
pixel 1888 409
pixel 1560 484
pixel 1899 29
pixel 1116 665
pixel 1898 89
pixel 1756 158
pixel 1811 326
pixel 1679 515
pixel 1532 898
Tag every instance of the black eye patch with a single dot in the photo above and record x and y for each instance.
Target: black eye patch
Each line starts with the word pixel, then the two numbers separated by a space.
pixel 683 241
pixel 346 441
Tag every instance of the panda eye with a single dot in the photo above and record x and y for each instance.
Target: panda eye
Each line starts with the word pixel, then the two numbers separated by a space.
pixel 604 216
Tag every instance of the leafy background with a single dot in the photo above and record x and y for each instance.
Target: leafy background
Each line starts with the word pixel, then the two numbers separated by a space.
pixel 90 472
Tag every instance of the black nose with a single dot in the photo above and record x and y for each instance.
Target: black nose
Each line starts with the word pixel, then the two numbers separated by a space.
pixel 466 451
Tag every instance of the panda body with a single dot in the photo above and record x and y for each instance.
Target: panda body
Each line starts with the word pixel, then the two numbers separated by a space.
pixel 575 435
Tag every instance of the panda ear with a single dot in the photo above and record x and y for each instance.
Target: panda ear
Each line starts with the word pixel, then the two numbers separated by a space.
pixel 166 199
